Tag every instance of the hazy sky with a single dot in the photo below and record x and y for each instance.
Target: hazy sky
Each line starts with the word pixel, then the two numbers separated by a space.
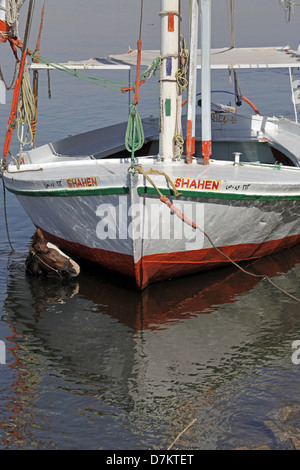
pixel 94 28
pixel 77 29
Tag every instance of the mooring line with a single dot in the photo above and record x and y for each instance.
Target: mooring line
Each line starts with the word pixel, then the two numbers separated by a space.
pixel 5 214
pixel 194 225
pixel 185 219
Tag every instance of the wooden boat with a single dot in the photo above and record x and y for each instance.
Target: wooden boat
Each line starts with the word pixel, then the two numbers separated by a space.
pixel 164 210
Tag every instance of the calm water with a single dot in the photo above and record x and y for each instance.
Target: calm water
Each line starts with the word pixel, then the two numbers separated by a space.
pixel 91 363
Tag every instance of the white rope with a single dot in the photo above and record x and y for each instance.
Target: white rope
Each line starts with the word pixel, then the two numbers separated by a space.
pixel 26 111
pixel 12 15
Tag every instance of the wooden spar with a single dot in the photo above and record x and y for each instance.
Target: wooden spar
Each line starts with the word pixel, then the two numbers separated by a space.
pixel 206 79
pixel 192 87
pixel 168 85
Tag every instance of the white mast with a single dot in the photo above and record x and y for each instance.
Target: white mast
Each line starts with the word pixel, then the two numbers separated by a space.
pixel 206 79
pixel 168 84
pixel 192 88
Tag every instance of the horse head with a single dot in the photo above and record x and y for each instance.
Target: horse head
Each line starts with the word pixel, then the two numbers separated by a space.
pixel 45 257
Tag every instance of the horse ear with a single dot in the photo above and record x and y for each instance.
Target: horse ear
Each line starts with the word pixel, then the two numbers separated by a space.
pixel 38 236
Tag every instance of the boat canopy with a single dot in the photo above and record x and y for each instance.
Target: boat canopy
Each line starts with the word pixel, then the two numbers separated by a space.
pixel 223 58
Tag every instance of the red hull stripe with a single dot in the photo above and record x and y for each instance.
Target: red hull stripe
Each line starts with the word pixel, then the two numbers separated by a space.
pixel 163 266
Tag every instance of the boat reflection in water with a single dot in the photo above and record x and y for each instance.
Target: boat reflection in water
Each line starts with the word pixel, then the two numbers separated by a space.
pixel 134 368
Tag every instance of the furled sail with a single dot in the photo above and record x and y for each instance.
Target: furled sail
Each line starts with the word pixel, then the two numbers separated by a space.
pixel 13 14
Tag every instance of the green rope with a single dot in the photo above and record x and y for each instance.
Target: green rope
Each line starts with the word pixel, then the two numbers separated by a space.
pixel 132 169
pixel 152 69
pixel 110 84
pixel 134 137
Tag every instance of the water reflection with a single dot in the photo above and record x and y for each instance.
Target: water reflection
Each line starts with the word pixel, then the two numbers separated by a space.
pixel 133 369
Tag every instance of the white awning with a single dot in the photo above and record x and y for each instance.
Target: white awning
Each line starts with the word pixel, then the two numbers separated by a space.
pixel 89 64
pixel 252 58
pixel 224 58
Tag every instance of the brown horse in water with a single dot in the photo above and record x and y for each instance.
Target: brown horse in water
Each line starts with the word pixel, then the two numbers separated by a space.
pixel 45 257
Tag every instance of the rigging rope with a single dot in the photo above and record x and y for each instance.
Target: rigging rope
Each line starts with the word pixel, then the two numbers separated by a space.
pixel 110 84
pixel 5 215
pixel 231 24
pixel 134 139
pixel 27 102
pixel 105 83
pixel 147 74
pixel 18 84
pixel 9 87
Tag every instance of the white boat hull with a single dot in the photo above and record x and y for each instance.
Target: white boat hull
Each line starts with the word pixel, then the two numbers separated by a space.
pixel 97 211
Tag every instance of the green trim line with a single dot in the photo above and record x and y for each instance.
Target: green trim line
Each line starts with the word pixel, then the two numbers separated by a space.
pixel 70 192
pixel 218 195
pixel 150 190
pixel 168 106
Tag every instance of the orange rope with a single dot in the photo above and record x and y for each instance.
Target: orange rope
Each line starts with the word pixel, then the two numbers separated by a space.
pixel 14 43
pixel 251 104
pixel 188 221
pixel 138 71
pixel 185 219
pixel 37 47
pixel 4 30
pixel 125 89
pixel 139 55
pixel 178 212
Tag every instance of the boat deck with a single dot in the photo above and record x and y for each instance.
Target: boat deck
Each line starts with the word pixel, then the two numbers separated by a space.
pixel 219 176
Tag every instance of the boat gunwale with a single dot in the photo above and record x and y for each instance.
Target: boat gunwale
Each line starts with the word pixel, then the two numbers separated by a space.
pixel 147 190
pixel 30 167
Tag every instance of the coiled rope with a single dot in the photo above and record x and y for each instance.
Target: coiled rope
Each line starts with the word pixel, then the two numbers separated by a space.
pixel 134 137
pixel 26 110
